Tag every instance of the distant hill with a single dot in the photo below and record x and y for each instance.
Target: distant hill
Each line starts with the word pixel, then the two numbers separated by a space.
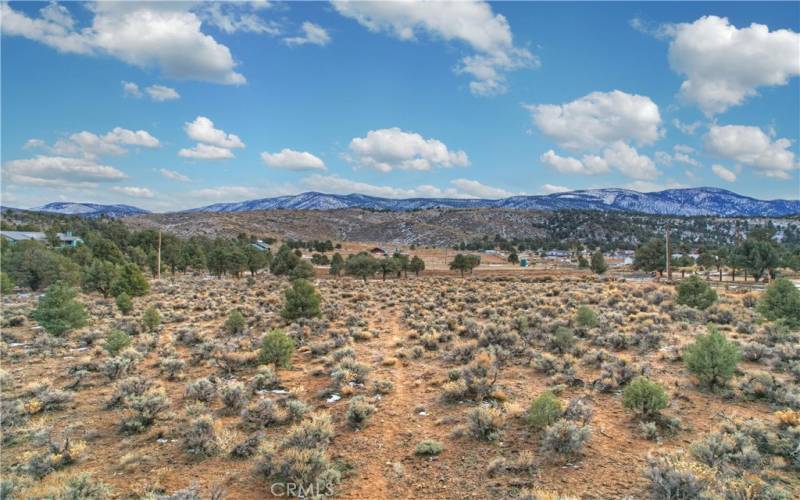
pixel 681 202
pixel 446 226
pixel 90 209
pixel 687 202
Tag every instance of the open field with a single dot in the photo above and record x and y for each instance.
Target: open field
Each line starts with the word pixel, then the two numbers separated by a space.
pixel 425 353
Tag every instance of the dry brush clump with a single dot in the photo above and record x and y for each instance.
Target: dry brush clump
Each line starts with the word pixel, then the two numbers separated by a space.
pixel 301 457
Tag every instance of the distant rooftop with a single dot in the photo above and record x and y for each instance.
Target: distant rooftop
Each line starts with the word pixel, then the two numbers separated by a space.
pixel 39 236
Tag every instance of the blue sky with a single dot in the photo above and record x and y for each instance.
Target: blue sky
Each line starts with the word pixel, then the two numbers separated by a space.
pixel 171 106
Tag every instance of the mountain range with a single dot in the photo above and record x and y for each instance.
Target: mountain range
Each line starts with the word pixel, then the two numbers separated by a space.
pixel 90 209
pixel 682 202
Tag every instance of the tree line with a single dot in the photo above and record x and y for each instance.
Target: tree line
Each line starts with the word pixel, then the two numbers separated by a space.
pixel 114 259
pixel 759 255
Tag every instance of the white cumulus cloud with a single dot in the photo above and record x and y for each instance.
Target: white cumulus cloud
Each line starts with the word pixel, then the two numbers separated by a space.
pixel 472 23
pixel 590 165
pixel 629 162
pixel 212 143
pixel 599 119
pixel 113 143
pixel 724 65
pixel 289 159
pixel 202 130
pixel 206 152
pixel 55 171
pixel 391 148
pixel 751 146
pixel 618 155
pixel 163 34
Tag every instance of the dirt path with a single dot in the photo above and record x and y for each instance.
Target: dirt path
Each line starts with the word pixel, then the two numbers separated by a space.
pixel 397 427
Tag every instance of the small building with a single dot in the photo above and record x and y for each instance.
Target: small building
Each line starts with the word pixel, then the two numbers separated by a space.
pixel 261 246
pixel 523 262
pixel 378 252
pixel 67 239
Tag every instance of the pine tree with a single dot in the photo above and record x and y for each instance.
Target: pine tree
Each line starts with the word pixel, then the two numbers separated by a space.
pixel 130 280
pixel 301 301
pixel 284 261
pixel 58 312
pixel 99 277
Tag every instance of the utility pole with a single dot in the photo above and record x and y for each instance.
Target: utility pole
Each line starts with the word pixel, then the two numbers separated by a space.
pixel 669 255
pixel 158 260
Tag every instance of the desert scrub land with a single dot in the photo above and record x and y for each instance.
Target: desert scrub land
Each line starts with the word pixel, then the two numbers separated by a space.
pixel 431 387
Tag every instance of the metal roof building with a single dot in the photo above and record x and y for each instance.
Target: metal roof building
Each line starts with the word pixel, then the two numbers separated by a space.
pixel 67 239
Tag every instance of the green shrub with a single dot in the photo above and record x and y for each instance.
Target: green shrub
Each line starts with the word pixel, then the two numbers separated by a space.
pixel 695 292
pixel 235 322
pixel 116 341
pixel 644 397
pixel 124 303
pixel 586 317
pixel 151 318
pixel 130 280
pixel 276 348
pixel 58 312
pixel 301 301
pixel 544 410
pixel 713 358
pixel 429 447
pixel 781 301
